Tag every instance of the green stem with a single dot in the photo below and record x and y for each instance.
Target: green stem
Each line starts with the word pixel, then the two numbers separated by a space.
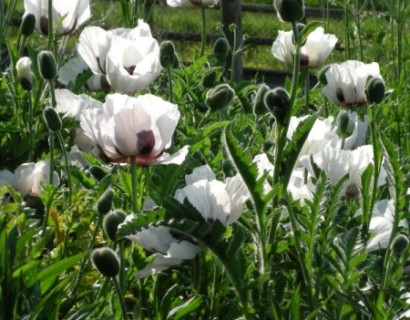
pixel 53 94
pixel 203 16
pixel 50 25
pixel 64 150
pixel 51 143
pixel 85 259
pixel 120 297
pixel 307 91
pixel 171 91
pixel 233 55
pixel 134 184
pixel 30 127
pixel 122 265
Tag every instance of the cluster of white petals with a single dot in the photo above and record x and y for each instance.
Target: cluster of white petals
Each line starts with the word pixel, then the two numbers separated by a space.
pixel 313 53
pixel 346 82
pixel 29 177
pixel 140 127
pixel 214 199
pixel 126 59
pixel 190 3
pixel 67 15
pixel 169 250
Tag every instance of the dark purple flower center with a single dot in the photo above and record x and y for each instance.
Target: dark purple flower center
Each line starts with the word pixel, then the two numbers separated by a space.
pixel 304 60
pixel 340 96
pixel 145 142
pixel 130 69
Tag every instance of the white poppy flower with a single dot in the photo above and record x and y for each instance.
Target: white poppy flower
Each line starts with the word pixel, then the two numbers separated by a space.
pixel 346 82
pixel 134 126
pixel 30 176
pixel 127 58
pixel 190 3
pixel 170 250
pixel 313 53
pixel 214 199
pixel 71 13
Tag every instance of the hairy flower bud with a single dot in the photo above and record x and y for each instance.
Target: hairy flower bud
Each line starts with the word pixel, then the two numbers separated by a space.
pixel 47 65
pixel 400 245
pixel 167 55
pixel 375 90
pixel 104 204
pixel 221 50
pixel 219 97
pixel 106 262
pixel 278 101
pixel 209 79
pixel 345 126
pixel 52 119
pixel 97 172
pixel 111 222
pixel 24 73
pixel 290 10
pixel 259 106
pixel 28 23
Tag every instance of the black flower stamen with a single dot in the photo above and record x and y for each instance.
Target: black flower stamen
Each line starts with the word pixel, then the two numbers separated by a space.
pixel 145 142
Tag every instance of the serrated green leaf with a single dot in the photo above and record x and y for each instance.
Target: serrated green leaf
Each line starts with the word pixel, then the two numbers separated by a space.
pixel 141 220
pixel 213 128
pixel 185 308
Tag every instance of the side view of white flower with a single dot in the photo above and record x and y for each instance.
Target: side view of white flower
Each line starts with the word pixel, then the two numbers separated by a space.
pixel 72 105
pixel 346 82
pixel 140 127
pixel 170 251
pixel 8 177
pixel 72 14
pixel 127 58
pixel 214 199
pixel 30 176
pixel 313 53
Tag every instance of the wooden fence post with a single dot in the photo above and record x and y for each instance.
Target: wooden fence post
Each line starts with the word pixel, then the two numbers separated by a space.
pixel 232 14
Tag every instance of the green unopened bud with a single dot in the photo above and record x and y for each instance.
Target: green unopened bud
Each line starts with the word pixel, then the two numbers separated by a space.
pixel 104 204
pixel 259 106
pixel 278 101
pixel 28 24
pixel 290 10
pixel 111 222
pixel 52 119
pixel 219 97
pixel 97 172
pixel 47 65
pixel 345 126
pixel 221 50
pixel 322 75
pixel 24 73
pixel 106 262
pixel 209 79
pixel 167 55
pixel 375 90
pixel 400 245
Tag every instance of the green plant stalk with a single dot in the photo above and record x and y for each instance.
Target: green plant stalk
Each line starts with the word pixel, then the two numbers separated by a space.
pixel 281 133
pixel 50 25
pixel 170 86
pixel 233 56
pixel 120 297
pixel 52 94
pixel 30 127
pixel 133 168
pixel 51 140
pixel 377 164
pixel 85 259
pixel 347 39
pixel 67 164
pixel 307 91
pixel 203 42
pixel 122 264
pixel 399 39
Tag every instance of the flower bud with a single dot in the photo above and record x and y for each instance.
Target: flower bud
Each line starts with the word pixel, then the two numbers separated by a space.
pixel 290 10
pixel 47 65
pixel 52 119
pixel 24 73
pixel 278 101
pixel 375 90
pixel 106 262
pixel 400 245
pixel 111 222
pixel 259 106
pixel 97 172
pixel 219 97
pixel 28 24
pixel 209 79
pixel 221 50
pixel 167 55
pixel 104 204
pixel 345 126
